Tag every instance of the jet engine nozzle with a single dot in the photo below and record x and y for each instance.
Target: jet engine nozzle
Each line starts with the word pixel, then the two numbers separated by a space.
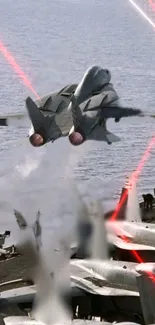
pixel 75 136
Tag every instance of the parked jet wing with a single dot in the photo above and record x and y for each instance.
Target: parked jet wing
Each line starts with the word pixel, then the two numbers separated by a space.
pixel 96 284
pixel 20 320
pixel 18 295
pixel 97 289
pixel 18 120
pixel 25 320
pixel 120 243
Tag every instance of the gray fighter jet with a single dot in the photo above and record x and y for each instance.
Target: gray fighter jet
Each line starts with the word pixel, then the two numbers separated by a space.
pixel 131 235
pixel 89 278
pixel 79 111
pixel 146 287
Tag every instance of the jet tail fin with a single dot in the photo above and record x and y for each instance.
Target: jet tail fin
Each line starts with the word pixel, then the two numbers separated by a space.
pixel 21 221
pixel 99 243
pixel 36 117
pixel 133 212
pixel 121 215
pixel 129 210
pixel 146 288
pixel 92 235
pixel 84 228
pixel 47 282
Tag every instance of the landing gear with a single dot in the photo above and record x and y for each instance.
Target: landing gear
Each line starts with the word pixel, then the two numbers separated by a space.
pixel 117 120
pixel 109 142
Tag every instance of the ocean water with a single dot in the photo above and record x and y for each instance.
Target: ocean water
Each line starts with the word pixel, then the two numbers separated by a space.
pixel 54 42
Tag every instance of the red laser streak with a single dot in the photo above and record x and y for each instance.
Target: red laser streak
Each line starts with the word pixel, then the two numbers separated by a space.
pixel 147 151
pixel 8 56
pixel 134 176
pixel 152 4
pixel 10 59
pixel 139 260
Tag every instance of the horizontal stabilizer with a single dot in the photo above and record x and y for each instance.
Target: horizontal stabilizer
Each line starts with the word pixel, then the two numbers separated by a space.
pixel 19 295
pixel 99 133
pixel 18 120
pixel 112 137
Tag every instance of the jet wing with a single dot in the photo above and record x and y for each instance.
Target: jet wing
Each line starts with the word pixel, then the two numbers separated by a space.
pixel 122 244
pixel 25 320
pixel 118 112
pixel 108 102
pixel 18 120
pixel 97 289
pixel 20 320
pixel 98 102
pixel 94 283
pixel 18 295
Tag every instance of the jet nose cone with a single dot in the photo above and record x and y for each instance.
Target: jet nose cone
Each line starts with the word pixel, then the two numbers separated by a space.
pixel 144 268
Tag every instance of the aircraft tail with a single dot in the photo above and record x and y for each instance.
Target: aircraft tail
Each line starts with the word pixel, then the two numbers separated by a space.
pixel 99 243
pixel 37 118
pixel 129 209
pixel 84 228
pixel 21 221
pixel 92 235
pixel 133 212
pixel 50 292
pixel 123 201
pixel 146 286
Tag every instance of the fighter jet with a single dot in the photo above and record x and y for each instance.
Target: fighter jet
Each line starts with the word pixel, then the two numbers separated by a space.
pixel 146 287
pixel 25 320
pixel 132 235
pixel 123 236
pixel 96 280
pixel 135 234
pixel 126 231
pixel 98 274
pixel 78 111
